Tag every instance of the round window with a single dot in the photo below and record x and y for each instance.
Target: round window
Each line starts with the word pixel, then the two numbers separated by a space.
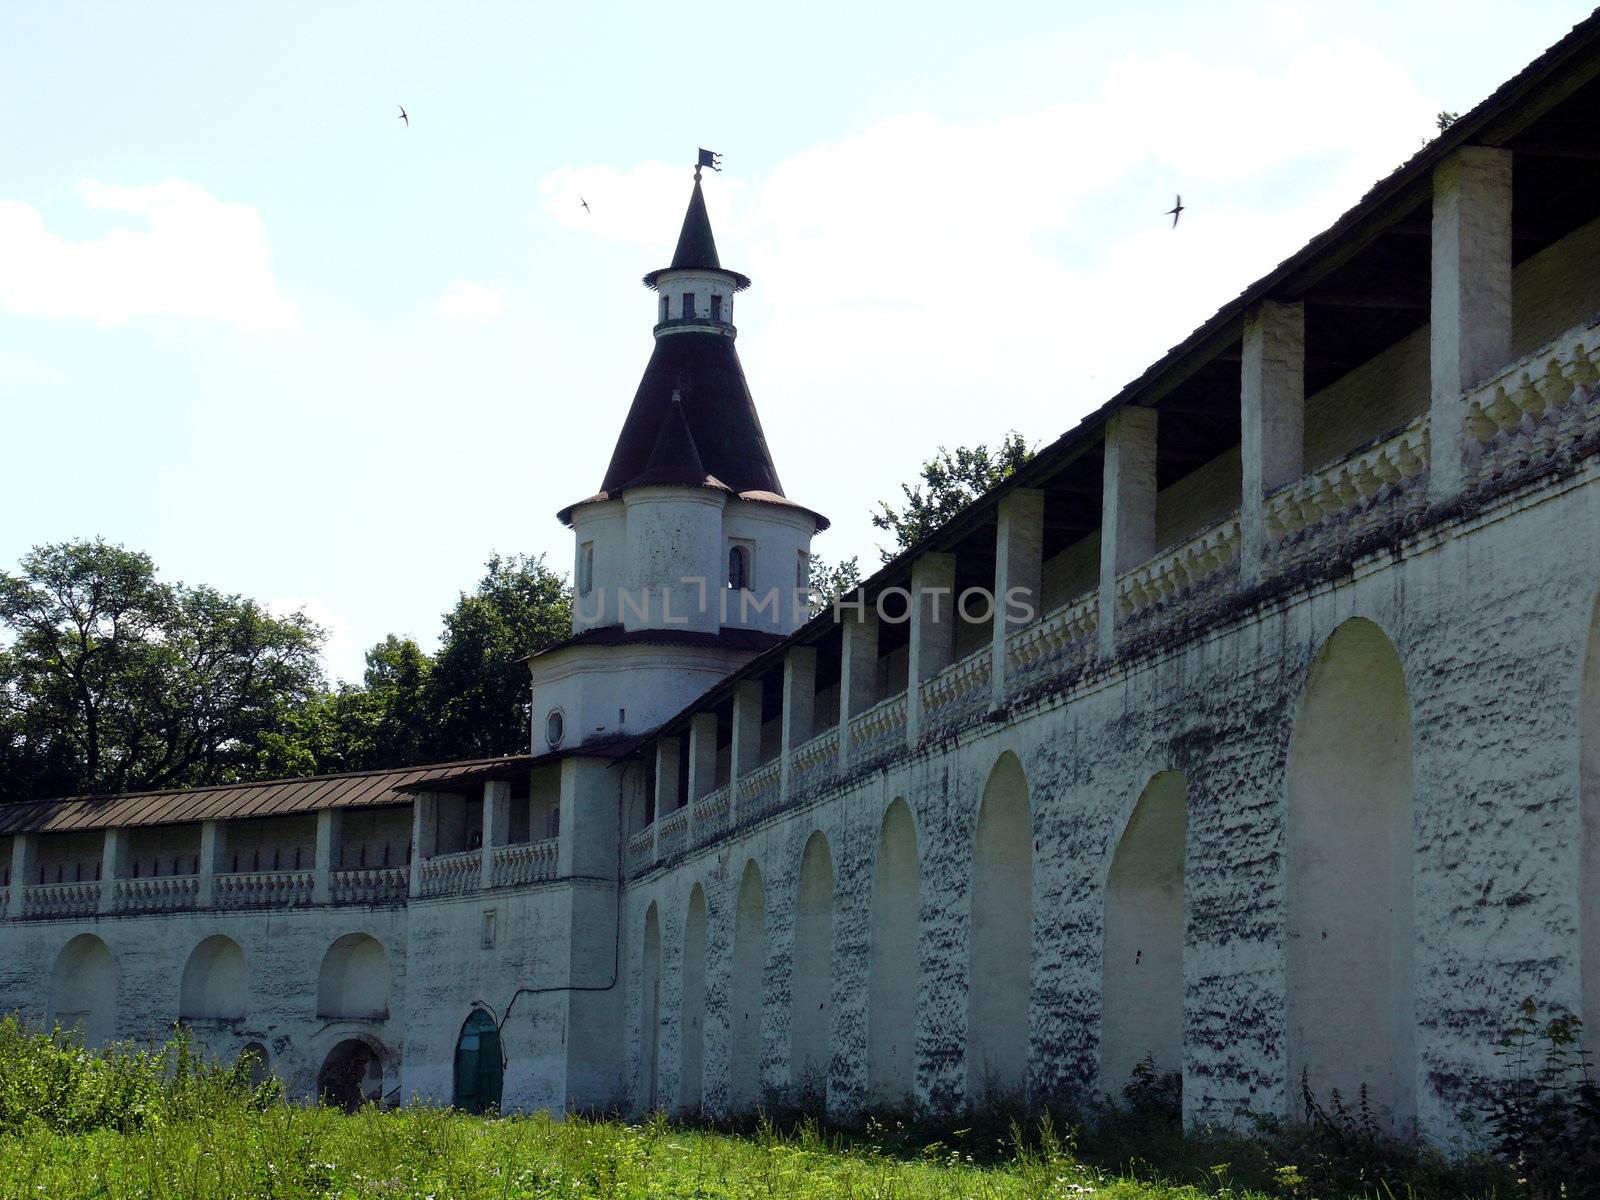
pixel 554 727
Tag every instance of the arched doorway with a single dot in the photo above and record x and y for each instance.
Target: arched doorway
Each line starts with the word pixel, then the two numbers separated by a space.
pixel 892 979
pixel 480 1065
pixel 83 990
pixel 1350 1005
pixel 351 1076
pixel 650 1010
pixel 745 991
pixel 215 985
pixel 692 1006
pixel 999 983
pixel 1141 993
pixel 811 992
pixel 353 984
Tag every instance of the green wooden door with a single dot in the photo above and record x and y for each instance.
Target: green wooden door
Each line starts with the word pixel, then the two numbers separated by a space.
pixel 478 1064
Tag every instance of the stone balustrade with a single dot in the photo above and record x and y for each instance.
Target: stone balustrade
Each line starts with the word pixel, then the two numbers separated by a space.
pixel 1370 487
pixel 814 761
pixel 1539 408
pixel 639 853
pixel 61 899
pixel 162 893
pixel 525 862
pixel 672 834
pixel 1180 572
pixel 262 889
pixel 1061 639
pixel 879 730
pixel 452 874
pixel 958 692
pixel 761 791
pixel 369 885
pixel 711 815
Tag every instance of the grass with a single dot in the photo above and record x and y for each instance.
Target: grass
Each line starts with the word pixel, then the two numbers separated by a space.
pixel 169 1123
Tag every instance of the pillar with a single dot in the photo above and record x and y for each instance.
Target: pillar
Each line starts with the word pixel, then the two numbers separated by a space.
pixel 213 842
pixel 1470 308
pixel 591 800
pixel 669 751
pixel 1128 509
pixel 746 753
pixel 702 756
pixel 424 834
pixel 799 706
pixel 1272 410
pixel 330 829
pixel 1018 575
pixel 113 866
pixel 858 671
pixel 933 631
pixel 496 824
pixel 24 864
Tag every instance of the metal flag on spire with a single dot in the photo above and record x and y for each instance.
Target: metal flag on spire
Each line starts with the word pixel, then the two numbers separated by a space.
pixel 708 158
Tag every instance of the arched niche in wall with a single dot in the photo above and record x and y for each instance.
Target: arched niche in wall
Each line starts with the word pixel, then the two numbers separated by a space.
pixel 215 984
pixel 649 1009
pixel 83 990
pixel 1000 942
pixel 1141 991
pixel 746 1010
pixel 893 970
pixel 692 1006
pixel 1589 795
pixel 811 989
pixel 351 1075
pixel 1350 1006
pixel 354 981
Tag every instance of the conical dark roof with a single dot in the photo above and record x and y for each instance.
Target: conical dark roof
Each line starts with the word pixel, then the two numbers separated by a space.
pixel 675 460
pixel 699 375
pixel 696 245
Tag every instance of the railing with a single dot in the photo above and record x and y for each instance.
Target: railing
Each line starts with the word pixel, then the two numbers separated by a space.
pixel 1536 409
pixel 525 862
pixel 262 889
pixel 1179 572
pixel 711 815
pixel 60 899
pixel 958 691
pixel 761 791
pixel 452 874
pixel 639 854
pixel 881 728
pixel 1373 485
pixel 813 761
pixel 672 834
pixel 369 885
pixel 157 894
pixel 1059 640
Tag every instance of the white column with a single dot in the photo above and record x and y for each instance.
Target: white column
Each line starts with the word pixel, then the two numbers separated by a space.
pixel 113 866
pixel 591 800
pixel 24 864
pixel 1272 410
pixel 858 671
pixel 669 751
pixel 1128 509
pixel 213 842
pixel 496 824
pixel 330 828
pixel 799 706
pixel 746 752
pixel 1018 575
pixel 933 631
pixel 424 832
pixel 1470 332
pixel 702 756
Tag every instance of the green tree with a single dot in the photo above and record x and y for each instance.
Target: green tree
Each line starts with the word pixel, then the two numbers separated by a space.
pixel 950 480
pixel 118 681
pixel 479 684
pixel 829 581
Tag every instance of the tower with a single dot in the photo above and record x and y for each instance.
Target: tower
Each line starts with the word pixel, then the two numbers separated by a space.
pixel 690 559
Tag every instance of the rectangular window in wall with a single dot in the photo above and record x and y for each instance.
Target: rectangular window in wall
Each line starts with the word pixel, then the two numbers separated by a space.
pixel 663 308
pixel 802 569
pixel 688 305
pixel 716 308
pixel 585 568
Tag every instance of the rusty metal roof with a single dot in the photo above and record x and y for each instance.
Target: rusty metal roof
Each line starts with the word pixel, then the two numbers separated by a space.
pixel 234 801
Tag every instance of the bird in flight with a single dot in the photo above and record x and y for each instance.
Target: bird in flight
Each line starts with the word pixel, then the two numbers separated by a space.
pixel 403 116
pixel 584 202
pixel 1175 211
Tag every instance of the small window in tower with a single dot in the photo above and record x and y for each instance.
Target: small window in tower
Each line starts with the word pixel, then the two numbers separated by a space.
pixel 738 568
pixel 688 305
pixel 663 308
pixel 585 568
pixel 716 307
pixel 802 569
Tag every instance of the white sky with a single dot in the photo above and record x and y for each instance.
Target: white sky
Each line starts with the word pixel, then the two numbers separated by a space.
pixel 254 325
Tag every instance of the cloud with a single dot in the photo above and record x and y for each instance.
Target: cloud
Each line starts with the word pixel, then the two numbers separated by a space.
pixel 186 254
pixel 466 301
pixel 19 369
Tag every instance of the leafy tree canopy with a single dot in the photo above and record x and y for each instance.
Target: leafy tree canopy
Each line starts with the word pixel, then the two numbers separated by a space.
pixel 950 480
